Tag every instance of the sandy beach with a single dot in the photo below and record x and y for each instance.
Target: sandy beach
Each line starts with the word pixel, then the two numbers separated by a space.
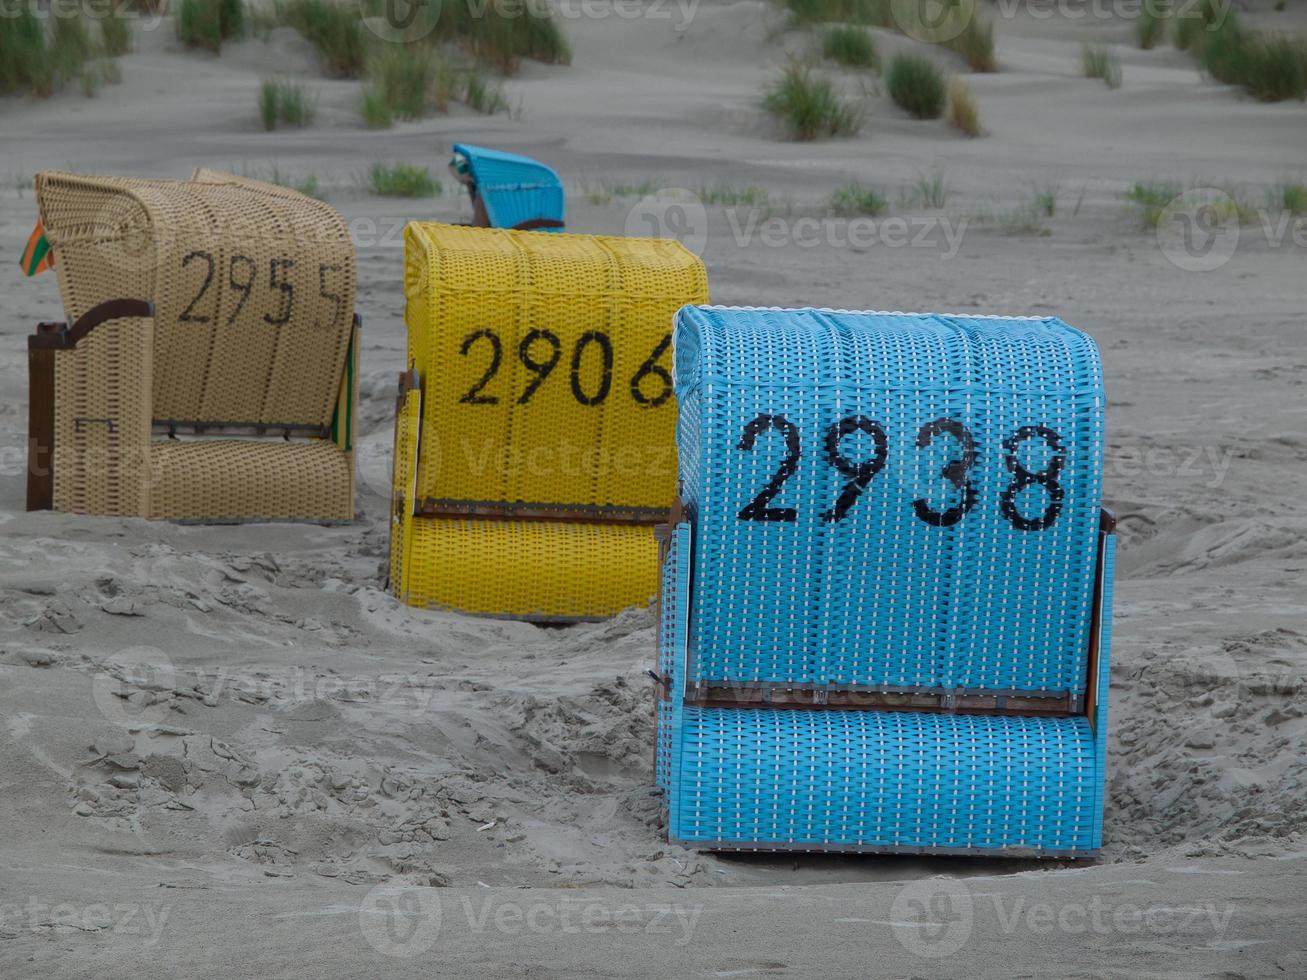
pixel 307 754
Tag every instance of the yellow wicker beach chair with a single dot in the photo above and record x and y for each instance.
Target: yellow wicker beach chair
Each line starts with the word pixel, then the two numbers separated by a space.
pixel 210 373
pixel 534 433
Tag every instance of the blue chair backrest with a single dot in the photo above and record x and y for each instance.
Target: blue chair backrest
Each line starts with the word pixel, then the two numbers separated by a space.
pixel 896 501
pixel 514 189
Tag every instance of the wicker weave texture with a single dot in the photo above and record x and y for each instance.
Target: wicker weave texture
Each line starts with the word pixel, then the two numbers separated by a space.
pixel 530 569
pixel 894 501
pixel 1104 681
pixel 194 481
pixel 514 188
pixel 884 780
pixel 595 429
pixel 102 421
pixel 253 287
pixel 672 609
pixel 822 779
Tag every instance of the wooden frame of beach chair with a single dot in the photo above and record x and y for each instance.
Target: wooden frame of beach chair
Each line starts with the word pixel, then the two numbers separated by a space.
pixel 227 391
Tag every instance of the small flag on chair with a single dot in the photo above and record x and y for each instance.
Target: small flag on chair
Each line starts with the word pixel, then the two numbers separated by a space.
pixel 37 256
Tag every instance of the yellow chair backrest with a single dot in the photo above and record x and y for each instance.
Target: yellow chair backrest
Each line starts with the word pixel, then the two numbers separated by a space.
pixel 546 362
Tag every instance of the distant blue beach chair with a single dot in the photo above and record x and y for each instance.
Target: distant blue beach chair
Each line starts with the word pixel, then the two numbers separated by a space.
pixel 509 191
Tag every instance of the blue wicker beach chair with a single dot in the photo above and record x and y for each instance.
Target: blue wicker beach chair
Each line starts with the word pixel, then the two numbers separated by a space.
pixel 886 593
pixel 509 191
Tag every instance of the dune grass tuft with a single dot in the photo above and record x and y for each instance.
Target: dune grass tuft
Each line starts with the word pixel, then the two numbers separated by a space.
pixel 42 55
pixel 483 95
pixel 854 199
pixel 115 33
pixel 929 190
pixel 1288 196
pixel 207 23
pixel 1150 199
pixel 284 101
pixel 1043 197
pixel 963 110
pixel 401 81
pixel 975 43
pixel 1099 61
pixel 22 53
pixel 726 196
pixel 973 38
pixel 1192 20
pixel 851 46
pixel 402 180
pixel 502 38
pixel 916 85
pixel 334 29
pixel 1150 29
pixel 1270 68
pixel 809 104
pixel 374 108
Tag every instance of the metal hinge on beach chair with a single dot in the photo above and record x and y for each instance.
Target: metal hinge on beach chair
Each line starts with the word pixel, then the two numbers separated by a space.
pixel 534 443
pixel 236 398
pixel 885 613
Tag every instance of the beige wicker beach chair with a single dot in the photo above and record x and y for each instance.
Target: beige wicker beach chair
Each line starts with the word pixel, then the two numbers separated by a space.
pixel 210 372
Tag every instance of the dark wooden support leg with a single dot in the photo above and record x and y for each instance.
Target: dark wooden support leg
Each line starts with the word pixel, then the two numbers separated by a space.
pixel 40 424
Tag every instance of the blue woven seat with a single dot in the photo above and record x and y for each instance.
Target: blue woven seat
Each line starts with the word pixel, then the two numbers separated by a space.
pixel 896 635
pixel 516 191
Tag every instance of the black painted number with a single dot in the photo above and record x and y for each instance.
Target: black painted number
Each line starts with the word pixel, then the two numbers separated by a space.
pixel 1023 478
pixel 189 315
pixel 277 281
pixel 243 285
pixel 955 471
pixel 540 351
pixel 540 369
pixel 337 301
pixel 757 509
pixel 606 367
pixel 859 474
pixel 473 395
pixel 652 367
